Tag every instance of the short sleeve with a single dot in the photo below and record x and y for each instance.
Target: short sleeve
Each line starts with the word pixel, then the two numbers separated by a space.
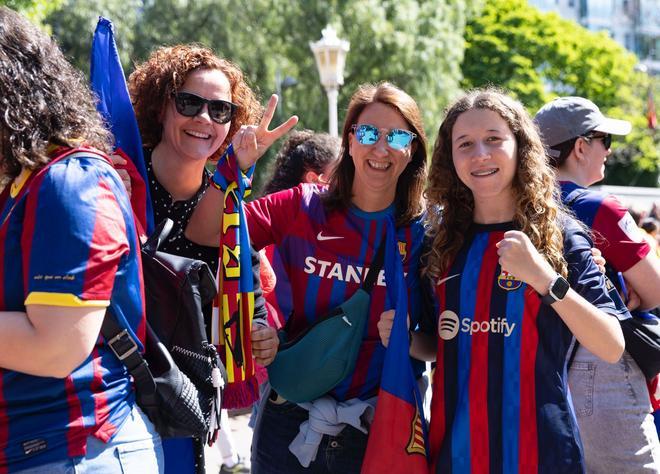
pixel 584 276
pixel 75 234
pixel 617 235
pixel 271 216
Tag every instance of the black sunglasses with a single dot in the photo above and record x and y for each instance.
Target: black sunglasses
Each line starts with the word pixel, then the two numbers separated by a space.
pixel 190 105
pixel 607 139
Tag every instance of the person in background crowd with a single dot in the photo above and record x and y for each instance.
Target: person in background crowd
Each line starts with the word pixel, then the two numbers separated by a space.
pixel 516 285
pixel 189 103
pixel 611 399
pixel 379 179
pixel 69 250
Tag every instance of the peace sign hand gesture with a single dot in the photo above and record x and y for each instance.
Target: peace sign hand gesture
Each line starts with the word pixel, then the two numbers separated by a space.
pixel 252 141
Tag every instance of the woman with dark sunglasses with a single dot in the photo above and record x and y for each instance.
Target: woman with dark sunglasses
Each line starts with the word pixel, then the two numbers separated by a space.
pixel 611 400
pixel 189 103
pixel 327 238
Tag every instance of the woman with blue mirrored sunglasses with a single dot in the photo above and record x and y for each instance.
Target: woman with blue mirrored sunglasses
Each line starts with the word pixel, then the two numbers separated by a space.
pixel 327 238
pixel 397 138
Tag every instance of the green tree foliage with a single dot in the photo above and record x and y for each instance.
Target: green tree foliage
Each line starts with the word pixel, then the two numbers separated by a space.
pixel 417 44
pixel 539 56
pixel 35 10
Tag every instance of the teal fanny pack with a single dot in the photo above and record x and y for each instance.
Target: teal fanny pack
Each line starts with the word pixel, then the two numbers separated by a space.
pixel 318 359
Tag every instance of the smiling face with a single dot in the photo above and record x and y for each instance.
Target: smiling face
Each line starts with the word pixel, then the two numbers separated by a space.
pixel 378 166
pixel 196 138
pixel 484 154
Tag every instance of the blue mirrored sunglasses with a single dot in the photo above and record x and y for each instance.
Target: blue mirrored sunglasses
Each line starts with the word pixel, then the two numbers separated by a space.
pixel 397 138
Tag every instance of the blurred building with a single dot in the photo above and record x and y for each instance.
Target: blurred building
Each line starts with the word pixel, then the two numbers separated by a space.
pixel 633 23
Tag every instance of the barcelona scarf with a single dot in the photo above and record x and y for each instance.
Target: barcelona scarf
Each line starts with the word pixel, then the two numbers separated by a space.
pixel 233 307
pixel 397 437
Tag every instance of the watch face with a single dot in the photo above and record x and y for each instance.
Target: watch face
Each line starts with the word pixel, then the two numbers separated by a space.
pixel 560 287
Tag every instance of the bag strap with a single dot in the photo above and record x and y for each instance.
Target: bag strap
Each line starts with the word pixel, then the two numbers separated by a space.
pixel 126 349
pixel 375 267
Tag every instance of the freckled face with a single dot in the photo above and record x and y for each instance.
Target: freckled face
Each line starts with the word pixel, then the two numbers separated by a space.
pixel 196 138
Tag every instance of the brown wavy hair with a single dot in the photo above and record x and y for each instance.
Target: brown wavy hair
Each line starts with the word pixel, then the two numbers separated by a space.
pixel 44 100
pixel 409 199
pixel 538 210
pixel 166 70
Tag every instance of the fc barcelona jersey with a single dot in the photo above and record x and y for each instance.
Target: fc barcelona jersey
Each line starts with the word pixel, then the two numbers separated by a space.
pixel 500 396
pixel 326 256
pixel 67 239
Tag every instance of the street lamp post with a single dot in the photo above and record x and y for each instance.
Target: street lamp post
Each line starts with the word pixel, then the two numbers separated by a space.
pixel 330 54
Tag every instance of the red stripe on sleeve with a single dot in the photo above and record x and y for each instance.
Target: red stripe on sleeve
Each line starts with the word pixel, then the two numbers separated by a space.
pixel 107 246
pixel 528 452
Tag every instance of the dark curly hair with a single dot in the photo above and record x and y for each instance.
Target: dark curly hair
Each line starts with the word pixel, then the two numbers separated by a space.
pixel 538 212
pixel 409 199
pixel 153 82
pixel 44 100
pixel 303 151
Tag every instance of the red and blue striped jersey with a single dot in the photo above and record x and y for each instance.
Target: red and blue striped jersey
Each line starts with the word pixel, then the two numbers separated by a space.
pixel 326 256
pixel 615 232
pixel 501 401
pixel 69 240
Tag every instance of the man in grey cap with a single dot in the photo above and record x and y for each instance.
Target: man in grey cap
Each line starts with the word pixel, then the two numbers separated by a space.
pixel 611 401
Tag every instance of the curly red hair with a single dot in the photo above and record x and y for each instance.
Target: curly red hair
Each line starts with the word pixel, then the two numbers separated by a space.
pixel 166 70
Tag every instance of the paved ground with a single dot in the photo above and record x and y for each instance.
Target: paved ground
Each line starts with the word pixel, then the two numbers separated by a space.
pixel 242 436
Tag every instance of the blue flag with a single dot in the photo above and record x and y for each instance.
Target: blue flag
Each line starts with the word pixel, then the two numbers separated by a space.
pixel 109 84
pixel 397 438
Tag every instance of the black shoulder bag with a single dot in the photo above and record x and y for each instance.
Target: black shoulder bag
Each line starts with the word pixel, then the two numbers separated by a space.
pixel 178 381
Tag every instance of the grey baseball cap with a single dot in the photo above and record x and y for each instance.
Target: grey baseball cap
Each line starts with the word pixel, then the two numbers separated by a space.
pixel 570 117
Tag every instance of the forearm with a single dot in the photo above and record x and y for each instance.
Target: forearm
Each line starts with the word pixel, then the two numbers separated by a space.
pixel 423 346
pixel 597 331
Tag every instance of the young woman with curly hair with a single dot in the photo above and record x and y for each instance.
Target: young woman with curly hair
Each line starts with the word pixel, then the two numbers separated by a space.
pixel 516 285
pixel 69 250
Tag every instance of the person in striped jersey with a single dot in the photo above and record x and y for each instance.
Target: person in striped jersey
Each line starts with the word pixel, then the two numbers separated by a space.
pixel 516 285
pixel 69 249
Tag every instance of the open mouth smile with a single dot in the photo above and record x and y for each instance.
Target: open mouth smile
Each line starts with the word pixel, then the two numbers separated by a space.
pixel 485 172
pixel 196 134
pixel 378 165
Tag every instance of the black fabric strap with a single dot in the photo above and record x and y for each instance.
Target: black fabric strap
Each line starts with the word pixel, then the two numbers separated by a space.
pixel 375 267
pixel 126 349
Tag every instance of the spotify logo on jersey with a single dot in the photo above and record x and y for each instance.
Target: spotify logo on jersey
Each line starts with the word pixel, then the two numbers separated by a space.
pixel 448 325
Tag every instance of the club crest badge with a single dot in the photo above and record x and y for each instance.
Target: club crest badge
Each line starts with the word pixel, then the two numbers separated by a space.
pixel 508 282
pixel 416 441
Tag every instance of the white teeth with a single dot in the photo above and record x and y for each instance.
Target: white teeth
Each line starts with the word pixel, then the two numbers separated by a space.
pixel 484 172
pixel 198 134
pixel 378 165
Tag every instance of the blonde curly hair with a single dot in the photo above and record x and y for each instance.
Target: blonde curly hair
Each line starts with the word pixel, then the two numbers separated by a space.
pixel 538 210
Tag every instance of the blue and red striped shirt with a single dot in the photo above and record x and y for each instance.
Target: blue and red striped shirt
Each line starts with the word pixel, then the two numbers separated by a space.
pixel 326 256
pixel 500 395
pixel 68 239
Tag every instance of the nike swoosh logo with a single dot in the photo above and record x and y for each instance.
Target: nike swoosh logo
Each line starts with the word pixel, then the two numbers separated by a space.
pixel 440 282
pixel 320 236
